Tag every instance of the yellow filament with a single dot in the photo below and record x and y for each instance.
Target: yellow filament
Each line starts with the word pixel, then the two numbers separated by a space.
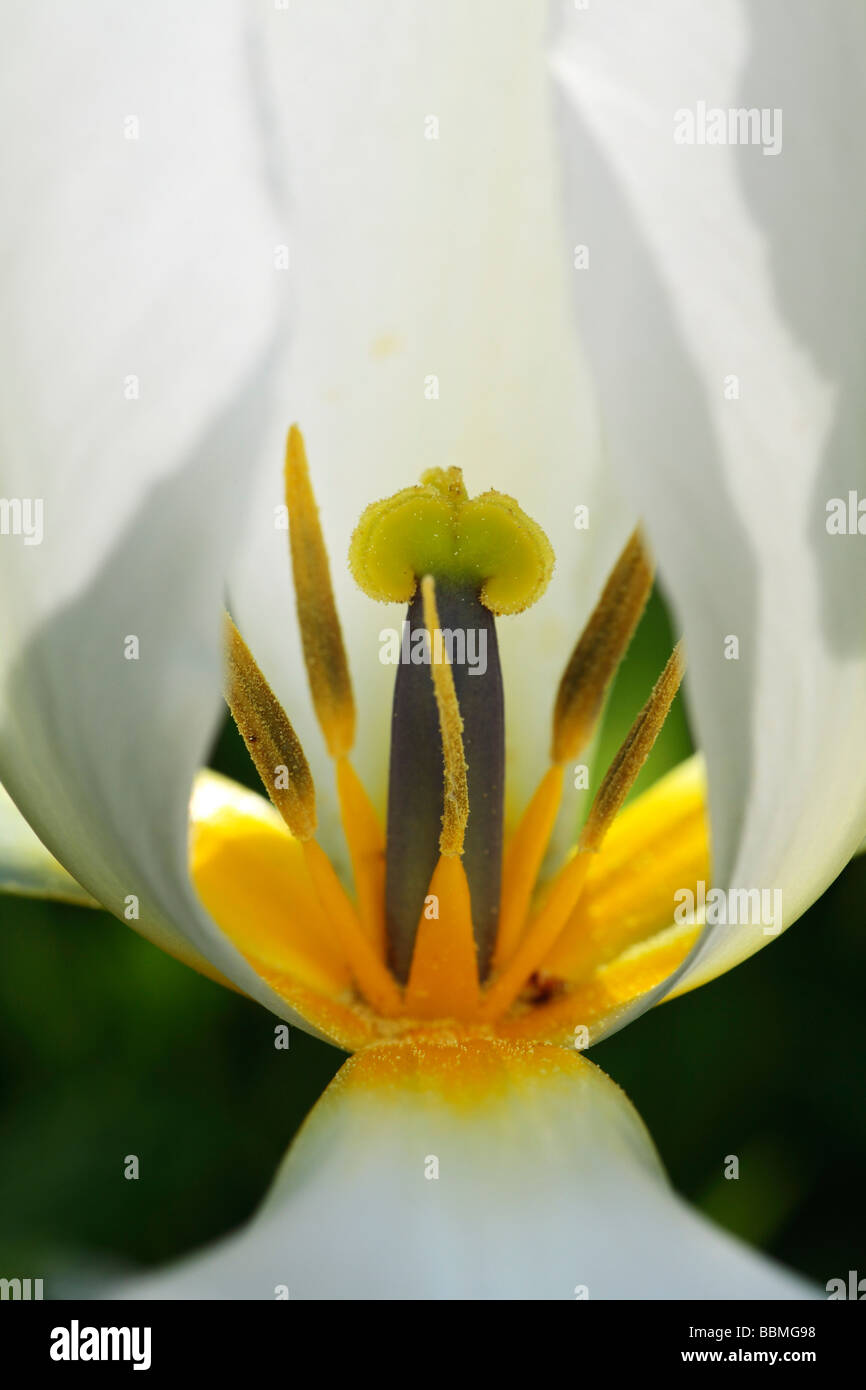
pixel 366 843
pixel 443 981
pixel 456 801
pixel 523 858
pixel 373 979
pixel 271 741
pixel 599 651
pixel 321 635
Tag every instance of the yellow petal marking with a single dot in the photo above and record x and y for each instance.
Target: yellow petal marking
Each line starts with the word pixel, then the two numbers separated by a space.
pixel 469 1072
pixel 252 877
pixel 344 1023
pixel 609 991
pixel 656 846
pixel 443 980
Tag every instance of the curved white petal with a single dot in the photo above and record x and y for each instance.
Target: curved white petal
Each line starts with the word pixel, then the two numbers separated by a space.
pixel 140 309
pixel 456 1170
pixel 27 868
pixel 723 317
pixel 425 243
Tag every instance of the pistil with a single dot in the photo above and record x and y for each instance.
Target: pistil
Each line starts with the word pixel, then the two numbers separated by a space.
pixel 417 794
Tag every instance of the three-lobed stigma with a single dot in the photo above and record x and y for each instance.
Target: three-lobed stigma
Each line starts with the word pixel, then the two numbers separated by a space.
pixel 485 545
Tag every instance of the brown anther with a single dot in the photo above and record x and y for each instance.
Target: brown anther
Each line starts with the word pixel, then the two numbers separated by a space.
pixel 271 741
pixel 623 771
pixel 599 651
pixel 321 634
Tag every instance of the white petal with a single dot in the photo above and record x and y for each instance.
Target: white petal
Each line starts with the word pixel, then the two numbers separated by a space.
pixel 717 261
pixel 548 1187
pixel 148 257
pixel 416 257
pixel 26 867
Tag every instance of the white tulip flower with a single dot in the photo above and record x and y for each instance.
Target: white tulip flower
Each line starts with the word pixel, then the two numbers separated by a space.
pixel 552 266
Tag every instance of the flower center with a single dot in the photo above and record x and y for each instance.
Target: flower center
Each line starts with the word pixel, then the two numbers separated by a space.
pixel 443 925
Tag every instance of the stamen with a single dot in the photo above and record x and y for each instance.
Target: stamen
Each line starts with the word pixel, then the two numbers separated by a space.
pixel 274 748
pixel 455 811
pixel 567 886
pixel 443 981
pixel 321 635
pixel 328 673
pixel 271 741
pixel 579 703
pixel 599 651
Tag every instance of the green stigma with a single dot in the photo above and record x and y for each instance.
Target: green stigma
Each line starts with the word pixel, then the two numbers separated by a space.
pixel 486 543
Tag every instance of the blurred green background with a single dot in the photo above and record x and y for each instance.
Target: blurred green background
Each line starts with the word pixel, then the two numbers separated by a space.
pixel 109 1048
